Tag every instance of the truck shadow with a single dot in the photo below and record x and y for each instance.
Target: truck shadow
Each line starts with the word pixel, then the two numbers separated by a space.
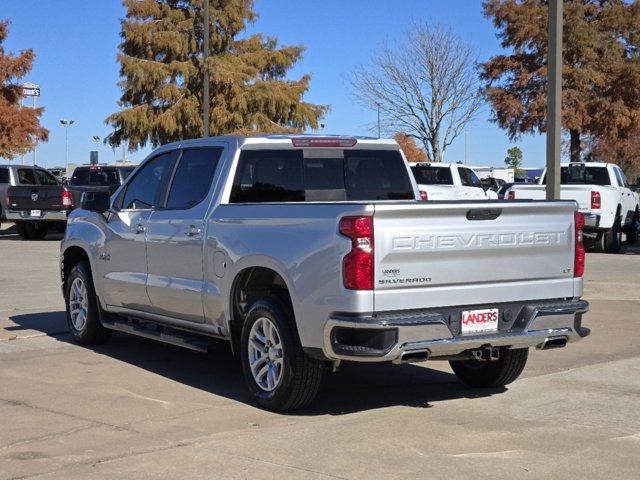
pixel 8 231
pixel 354 387
pixel 625 250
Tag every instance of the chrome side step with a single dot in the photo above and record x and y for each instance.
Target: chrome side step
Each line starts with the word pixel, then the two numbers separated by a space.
pixel 159 332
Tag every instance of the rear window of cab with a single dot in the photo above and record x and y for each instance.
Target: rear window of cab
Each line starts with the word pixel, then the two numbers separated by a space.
pixel 320 176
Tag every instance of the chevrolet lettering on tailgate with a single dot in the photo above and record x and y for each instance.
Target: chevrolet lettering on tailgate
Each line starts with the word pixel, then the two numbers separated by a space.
pixel 483 240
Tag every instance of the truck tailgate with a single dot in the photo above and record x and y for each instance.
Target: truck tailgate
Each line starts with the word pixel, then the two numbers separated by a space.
pixel 463 253
pixel 579 193
pixel 35 197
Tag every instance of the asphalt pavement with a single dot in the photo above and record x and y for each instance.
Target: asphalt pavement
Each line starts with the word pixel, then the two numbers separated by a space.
pixel 137 409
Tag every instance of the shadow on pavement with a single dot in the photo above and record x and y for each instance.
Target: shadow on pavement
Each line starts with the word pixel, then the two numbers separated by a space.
pixel 354 387
pixel 625 250
pixel 8 231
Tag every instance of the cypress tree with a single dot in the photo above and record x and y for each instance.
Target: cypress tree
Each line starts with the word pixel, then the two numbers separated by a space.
pixel 162 66
pixel 20 127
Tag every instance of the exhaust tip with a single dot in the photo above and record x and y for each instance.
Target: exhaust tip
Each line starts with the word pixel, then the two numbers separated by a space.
pixel 417 356
pixel 553 342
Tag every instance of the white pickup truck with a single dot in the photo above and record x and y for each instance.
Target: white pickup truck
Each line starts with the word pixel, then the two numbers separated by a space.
pixel 449 181
pixel 610 207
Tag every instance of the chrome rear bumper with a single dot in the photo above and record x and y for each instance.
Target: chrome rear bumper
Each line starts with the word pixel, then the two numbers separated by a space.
pixel 430 333
pixel 46 216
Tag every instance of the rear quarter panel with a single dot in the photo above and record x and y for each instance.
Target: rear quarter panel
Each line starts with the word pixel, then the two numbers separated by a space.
pixel 298 241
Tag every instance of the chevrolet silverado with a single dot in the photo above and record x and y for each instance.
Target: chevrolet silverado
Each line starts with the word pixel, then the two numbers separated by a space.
pixel 306 251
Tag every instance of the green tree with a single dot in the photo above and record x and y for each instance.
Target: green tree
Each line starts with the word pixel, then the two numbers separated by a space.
pixel 161 65
pixel 601 69
pixel 20 127
pixel 514 160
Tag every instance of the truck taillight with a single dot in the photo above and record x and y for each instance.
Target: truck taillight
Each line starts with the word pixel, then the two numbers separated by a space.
pixel 423 195
pixel 578 264
pixel 67 199
pixel 596 202
pixel 357 265
pixel 511 195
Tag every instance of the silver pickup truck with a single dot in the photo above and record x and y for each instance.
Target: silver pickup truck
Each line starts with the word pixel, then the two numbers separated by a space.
pixel 306 251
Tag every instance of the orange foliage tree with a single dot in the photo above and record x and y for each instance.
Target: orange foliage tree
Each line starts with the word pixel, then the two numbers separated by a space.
pixel 410 148
pixel 20 127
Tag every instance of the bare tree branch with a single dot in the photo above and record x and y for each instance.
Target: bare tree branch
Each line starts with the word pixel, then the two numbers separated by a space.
pixel 426 87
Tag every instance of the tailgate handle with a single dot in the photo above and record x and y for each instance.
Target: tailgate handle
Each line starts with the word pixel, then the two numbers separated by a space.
pixel 483 213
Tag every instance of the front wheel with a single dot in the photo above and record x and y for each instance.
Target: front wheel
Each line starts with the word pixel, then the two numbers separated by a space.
pixel 488 374
pixel 279 375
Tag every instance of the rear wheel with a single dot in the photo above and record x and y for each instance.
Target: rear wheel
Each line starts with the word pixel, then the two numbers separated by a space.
pixel 279 375
pixel 32 230
pixel 612 239
pixel 487 374
pixel 83 316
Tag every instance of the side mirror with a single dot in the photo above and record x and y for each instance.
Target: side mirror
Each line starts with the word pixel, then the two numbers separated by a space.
pixel 98 201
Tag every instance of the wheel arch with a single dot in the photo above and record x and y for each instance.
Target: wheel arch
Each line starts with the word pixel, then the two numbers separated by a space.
pixel 249 285
pixel 70 257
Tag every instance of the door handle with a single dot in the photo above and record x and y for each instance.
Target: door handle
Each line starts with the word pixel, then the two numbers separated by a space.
pixel 140 228
pixel 192 231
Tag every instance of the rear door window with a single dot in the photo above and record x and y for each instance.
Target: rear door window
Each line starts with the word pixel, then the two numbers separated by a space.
pixel 320 175
pixel 428 175
pixel 193 177
pixel 45 178
pixel 26 176
pixel 4 175
pixel 469 178
pixel 622 178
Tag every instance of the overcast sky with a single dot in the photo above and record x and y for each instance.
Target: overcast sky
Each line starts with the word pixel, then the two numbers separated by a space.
pixel 75 42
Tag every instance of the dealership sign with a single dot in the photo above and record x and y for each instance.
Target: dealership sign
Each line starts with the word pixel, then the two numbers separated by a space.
pixel 31 90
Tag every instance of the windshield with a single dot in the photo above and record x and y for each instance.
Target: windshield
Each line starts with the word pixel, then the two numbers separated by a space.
pixel 428 175
pixel 95 176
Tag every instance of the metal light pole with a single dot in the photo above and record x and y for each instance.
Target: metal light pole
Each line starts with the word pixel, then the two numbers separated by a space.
pixel 205 90
pixel 465 146
pixel 378 105
pixel 554 100
pixel 66 123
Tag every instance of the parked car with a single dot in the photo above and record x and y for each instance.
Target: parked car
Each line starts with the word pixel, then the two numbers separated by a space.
pixel 33 199
pixel 305 251
pixel 493 184
pixel 603 195
pixel 444 181
pixel 88 178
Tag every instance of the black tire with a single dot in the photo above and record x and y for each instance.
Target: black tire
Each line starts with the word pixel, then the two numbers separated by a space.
pixel 491 374
pixel 92 332
pixel 301 375
pixel 632 231
pixel 612 238
pixel 32 230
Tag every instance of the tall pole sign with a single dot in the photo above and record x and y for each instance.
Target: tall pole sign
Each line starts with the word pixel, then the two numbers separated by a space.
pixel 31 90
pixel 554 99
